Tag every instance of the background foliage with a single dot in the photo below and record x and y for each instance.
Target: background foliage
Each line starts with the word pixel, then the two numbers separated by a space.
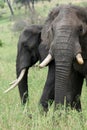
pixel 13 116
pixel 1 3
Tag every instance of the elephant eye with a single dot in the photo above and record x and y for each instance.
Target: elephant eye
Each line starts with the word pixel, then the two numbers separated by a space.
pixel 80 30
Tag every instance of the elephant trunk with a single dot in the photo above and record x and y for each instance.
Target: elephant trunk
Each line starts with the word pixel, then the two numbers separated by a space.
pixel 23 84
pixel 62 73
pixel 64 52
pixel 63 62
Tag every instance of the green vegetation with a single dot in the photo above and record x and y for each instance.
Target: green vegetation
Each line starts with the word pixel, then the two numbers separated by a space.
pixel 1 43
pixel 13 116
pixel 83 4
pixel 1 3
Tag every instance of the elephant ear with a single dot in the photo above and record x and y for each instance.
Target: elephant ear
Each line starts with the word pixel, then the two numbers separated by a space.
pixel 47 28
pixel 82 14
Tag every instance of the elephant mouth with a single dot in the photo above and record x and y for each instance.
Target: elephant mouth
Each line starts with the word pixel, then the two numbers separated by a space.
pixel 49 58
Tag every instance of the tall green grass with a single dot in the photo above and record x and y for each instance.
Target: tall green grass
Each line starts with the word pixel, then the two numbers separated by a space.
pixel 13 116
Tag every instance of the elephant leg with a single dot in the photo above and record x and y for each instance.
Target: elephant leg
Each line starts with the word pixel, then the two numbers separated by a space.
pixel 48 91
pixel 74 90
pixel 77 103
pixel 77 82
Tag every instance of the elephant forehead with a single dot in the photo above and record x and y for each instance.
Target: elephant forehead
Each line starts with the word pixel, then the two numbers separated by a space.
pixel 65 15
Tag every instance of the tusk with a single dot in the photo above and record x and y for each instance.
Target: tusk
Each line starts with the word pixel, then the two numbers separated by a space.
pixel 79 59
pixel 46 61
pixel 12 82
pixel 16 82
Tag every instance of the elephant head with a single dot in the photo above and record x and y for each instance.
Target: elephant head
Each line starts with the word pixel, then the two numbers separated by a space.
pixel 27 56
pixel 63 34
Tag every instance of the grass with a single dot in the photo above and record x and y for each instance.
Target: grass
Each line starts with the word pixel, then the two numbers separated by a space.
pixel 13 116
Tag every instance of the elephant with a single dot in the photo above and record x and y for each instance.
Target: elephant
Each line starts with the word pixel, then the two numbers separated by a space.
pixel 60 44
pixel 27 56
pixel 65 36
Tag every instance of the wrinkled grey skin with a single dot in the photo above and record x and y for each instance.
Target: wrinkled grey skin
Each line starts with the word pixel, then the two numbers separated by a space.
pixel 64 34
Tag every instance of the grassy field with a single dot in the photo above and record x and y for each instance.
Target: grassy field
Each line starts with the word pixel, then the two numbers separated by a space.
pixel 13 116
